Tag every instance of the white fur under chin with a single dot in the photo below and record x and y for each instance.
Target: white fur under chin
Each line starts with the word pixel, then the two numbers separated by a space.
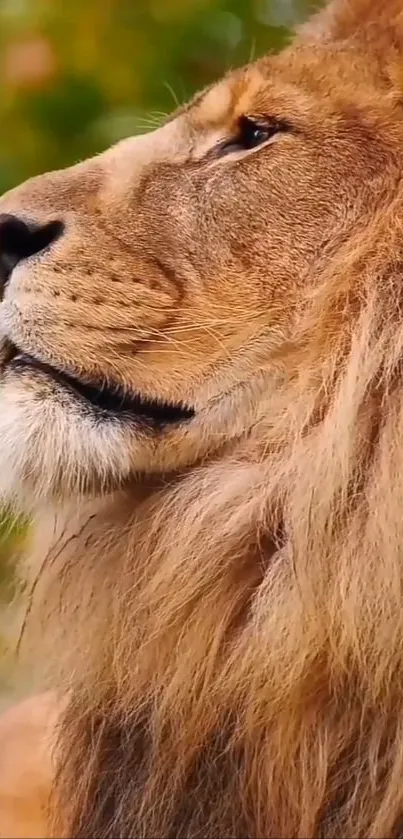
pixel 52 450
pixel 48 452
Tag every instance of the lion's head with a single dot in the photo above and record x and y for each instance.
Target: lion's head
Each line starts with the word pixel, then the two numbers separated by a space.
pixel 150 294
pixel 202 341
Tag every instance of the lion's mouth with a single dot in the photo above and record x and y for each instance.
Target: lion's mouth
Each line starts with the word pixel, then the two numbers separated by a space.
pixel 104 398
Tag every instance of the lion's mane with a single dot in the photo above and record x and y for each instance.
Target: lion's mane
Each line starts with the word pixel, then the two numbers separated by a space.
pixel 232 637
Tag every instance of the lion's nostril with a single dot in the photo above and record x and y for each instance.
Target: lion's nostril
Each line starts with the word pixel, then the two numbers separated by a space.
pixel 20 239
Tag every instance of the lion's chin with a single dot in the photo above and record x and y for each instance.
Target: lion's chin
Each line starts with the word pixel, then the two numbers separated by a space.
pixel 50 451
pixel 64 439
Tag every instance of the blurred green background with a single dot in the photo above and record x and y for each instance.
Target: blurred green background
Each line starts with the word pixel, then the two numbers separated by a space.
pixel 78 75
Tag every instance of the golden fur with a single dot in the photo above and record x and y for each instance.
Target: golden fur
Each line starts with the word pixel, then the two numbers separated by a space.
pixel 222 597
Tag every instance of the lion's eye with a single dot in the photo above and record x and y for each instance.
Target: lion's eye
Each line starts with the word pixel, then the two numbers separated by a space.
pixel 251 133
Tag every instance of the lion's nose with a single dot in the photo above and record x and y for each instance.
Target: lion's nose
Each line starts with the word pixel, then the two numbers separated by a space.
pixel 20 239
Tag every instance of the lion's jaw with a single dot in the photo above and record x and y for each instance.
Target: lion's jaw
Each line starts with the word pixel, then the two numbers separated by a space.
pixel 175 274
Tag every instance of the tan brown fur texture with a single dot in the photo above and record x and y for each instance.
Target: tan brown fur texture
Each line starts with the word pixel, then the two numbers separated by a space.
pixel 222 598
pixel 27 732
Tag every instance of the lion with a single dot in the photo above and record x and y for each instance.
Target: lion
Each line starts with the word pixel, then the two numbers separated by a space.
pixel 201 408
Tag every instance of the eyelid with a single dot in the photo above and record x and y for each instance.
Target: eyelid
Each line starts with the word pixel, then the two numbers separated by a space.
pixel 261 120
pixel 268 121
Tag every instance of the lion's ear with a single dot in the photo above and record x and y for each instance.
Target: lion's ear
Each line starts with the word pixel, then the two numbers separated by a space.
pixel 341 19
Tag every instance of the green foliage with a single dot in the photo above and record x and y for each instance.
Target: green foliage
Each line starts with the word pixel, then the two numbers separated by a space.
pixel 12 535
